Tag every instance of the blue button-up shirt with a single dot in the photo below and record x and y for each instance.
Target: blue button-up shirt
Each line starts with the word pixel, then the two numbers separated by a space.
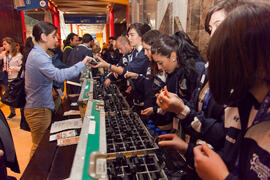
pixel 39 76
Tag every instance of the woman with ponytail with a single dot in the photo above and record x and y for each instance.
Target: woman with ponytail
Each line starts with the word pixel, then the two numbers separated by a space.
pixel 170 54
pixel 39 76
pixel 152 82
pixel 175 56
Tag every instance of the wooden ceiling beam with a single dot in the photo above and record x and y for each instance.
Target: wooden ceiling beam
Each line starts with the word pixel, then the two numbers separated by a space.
pixel 78 6
pixel 81 2
pixel 124 2
pixel 83 5
pixel 80 10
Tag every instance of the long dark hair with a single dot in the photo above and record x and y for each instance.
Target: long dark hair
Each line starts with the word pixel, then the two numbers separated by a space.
pixel 12 44
pixel 177 43
pixel 186 49
pixel 165 46
pixel 27 48
pixel 238 53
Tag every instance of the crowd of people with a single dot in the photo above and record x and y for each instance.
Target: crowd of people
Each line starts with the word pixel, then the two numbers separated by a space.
pixel 221 103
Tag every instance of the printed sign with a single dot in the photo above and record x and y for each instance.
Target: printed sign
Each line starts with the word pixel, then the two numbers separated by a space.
pixel 85 19
pixel 30 4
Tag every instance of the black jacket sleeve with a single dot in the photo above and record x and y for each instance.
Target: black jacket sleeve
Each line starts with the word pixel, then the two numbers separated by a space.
pixel 232 177
pixel 209 129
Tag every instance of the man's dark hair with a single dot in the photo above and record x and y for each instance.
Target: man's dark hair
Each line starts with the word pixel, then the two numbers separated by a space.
pixel 69 38
pixel 111 38
pixel 139 28
pixel 87 38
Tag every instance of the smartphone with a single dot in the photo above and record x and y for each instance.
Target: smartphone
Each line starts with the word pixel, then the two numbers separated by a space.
pixel 94 63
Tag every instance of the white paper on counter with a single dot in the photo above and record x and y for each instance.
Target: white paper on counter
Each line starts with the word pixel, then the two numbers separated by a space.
pixel 66 124
pixel 71 112
pixel 92 127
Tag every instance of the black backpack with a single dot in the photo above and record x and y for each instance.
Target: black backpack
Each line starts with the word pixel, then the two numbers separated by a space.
pixel 14 96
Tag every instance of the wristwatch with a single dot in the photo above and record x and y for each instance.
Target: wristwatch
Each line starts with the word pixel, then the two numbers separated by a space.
pixel 184 113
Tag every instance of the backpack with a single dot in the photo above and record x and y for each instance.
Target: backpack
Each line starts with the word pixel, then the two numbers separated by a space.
pixel 14 96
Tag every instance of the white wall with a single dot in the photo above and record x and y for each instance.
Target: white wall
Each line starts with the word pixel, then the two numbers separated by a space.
pixel 179 9
pixel 161 9
pixel 65 28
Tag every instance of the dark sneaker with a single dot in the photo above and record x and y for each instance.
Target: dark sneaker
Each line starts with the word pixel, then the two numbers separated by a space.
pixel 11 115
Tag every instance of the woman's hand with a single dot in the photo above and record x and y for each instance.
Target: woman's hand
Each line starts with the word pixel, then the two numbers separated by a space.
pixel 174 141
pixel 107 82
pixel 128 90
pixel 1 153
pixel 208 164
pixel 115 75
pixel 169 101
pixel 98 64
pixel 86 61
pixel 148 111
pixel 131 75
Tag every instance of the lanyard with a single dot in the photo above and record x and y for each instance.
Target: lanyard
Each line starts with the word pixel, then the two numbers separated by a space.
pixel 8 58
pixel 129 58
pixel 131 55
pixel 8 61
pixel 263 110
pixel 206 99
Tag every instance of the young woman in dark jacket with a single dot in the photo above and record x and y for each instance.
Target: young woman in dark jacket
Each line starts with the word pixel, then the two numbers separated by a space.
pixel 245 34
pixel 153 82
pixel 138 62
pixel 202 119
pixel 172 54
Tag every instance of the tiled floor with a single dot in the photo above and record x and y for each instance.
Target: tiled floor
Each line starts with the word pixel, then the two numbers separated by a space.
pixel 22 140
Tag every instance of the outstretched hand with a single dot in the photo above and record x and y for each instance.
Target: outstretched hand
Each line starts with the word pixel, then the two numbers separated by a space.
pixel 208 164
pixel 131 75
pixel 148 111
pixel 86 61
pixel 101 63
pixel 174 141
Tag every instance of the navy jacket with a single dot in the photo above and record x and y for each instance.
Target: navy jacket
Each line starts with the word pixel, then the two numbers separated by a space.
pixel 77 54
pixel 152 86
pixel 124 61
pixel 205 124
pixel 139 65
pixel 247 147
